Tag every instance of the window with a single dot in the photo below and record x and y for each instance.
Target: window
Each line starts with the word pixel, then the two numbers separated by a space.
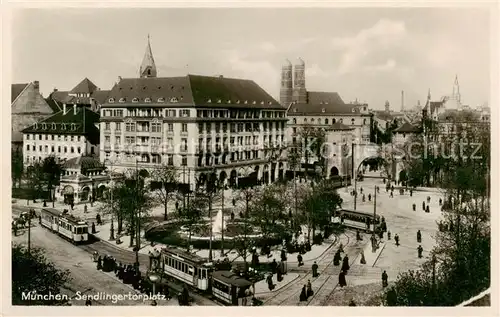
pixel 135 100
pixel 156 127
pixel 170 127
pixel 122 100
pixel 171 113
pixel 326 121
pixel 333 120
pixel 118 126
pixel 170 160
pixel 312 120
pixel 170 143
pixel 147 100
pixel 364 121
pixel 72 150
pixel 72 138
pixel 117 140
pixel 130 127
pixel 107 126
pixel 200 127
pixel 161 99
pixel 184 127
pixel 305 120
pixel 352 121
pixel 111 100
pixel 294 130
pixel 107 139
pixel 184 145
pixel 59 149
pixel 184 113
pixel 65 149
pixel 184 160
pixel 79 149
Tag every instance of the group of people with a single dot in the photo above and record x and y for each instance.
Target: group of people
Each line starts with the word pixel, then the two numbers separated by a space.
pixel 306 291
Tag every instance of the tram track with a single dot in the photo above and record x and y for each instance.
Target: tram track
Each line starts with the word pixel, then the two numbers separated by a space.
pixel 294 293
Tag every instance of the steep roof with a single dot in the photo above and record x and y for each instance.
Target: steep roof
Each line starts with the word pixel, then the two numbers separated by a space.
pixel 317 97
pixel 436 105
pixel 53 104
pixel 148 61
pixel 61 123
pixel 192 90
pixel 83 163
pixel 15 91
pixel 406 128
pixel 101 96
pixel 59 96
pixel 84 87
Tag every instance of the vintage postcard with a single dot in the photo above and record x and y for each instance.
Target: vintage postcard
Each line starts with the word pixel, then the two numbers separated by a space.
pixel 265 156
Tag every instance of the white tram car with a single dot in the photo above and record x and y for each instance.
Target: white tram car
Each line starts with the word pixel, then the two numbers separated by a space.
pixel 188 268
pixel 197 272
pixel 68 226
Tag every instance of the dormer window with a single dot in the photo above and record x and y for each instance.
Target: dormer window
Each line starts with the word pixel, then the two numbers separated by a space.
pixel 364 108
pixel 36 125
pixel 173 99
pixel 262 102
pixel 254 102
pixel 63 126
pixel 44 126
pixel 237 101
pixel 312 120
pixel 219 101
pixel 147 100
pixel 73 126
pixel 53 126
pixel 269 103
pixel 229 101
pixel 122 100
pixel 246 101
pixel 209 100
pixel 294 109
pixel 161 99
pixel 111 100
pixel 323 110
pixel 135 100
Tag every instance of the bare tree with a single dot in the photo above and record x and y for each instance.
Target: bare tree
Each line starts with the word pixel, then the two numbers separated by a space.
pixel 164 183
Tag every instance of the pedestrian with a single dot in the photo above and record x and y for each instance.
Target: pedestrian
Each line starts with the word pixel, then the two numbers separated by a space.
pixel 388 235
pixel 337 258
pixel 440 201
pixel 303 296
pixel 341 248
pixel 419 236
pixel 384 279
pixel 279 275
pixel 342 281
pixel 396 238
pixel 314 269
pixel 352 303
pixel 361 190
pixel 99 263
pixel 364 198
pixel 414 207
pixel 378 189
pixel 392 194
pixel 369 197
pixel 411 192
pixel 283 255
pixel 358 236
pixel 363 260
pixel 428 199
pixel 383 180
pixel 423 205
pixel 274 266
pixel 392 188
pixel 299 259
pixel 270 283
pixel 309 289
pixel 420 250
pixel 88 302
pixel 345 264
pixel 93 228
pixel 427 209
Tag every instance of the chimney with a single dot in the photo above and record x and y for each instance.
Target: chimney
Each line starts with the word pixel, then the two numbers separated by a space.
pixel 74 109
pixel 402 100
pixel 36 85
pixel 55 89
pixel 64 108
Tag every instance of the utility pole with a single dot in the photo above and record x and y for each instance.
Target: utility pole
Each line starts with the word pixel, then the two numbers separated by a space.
pixel 222 224
pixel 138 233
pixel 29 230
pixel 211 226
pixel 374 208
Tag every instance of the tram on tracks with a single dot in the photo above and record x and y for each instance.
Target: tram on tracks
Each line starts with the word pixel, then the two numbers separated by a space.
pixel 69 227
pixel 355 219
pixel 196 272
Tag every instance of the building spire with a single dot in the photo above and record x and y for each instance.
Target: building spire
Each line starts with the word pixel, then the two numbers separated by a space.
pixel 148 67
pixel 456 89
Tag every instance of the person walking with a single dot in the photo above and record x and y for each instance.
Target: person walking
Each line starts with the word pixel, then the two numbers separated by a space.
pixel 299 259
pixel 303 295
pixel 420 250
pixel 384 279
pixel 315 269
pixel 342 280
pixel 396 238
pixel 419 236
pixel 309 289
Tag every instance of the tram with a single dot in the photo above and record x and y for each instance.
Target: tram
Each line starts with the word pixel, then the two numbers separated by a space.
pixel 196 272
pixel 72 228
pixel 355 219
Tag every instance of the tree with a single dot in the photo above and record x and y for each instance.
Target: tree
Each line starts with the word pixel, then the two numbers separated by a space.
pixel 164 185
pixel 311 140
pixel 192 214
pixel 268 211
pixel 36 180
pixel 31 272
pixel 460 263
pixel 242 243
pixel 17 167
pixel 52 173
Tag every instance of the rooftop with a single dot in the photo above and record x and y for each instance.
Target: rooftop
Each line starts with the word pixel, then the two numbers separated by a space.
pixel 15 91
pixel 83 163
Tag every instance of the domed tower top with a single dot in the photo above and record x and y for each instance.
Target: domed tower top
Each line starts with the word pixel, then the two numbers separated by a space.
pixel 287 63
pixel 300 62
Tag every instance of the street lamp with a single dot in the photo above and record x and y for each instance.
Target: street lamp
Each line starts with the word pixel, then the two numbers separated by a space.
pixel 153 277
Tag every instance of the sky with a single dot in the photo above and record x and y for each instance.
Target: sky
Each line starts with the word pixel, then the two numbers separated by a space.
pixel 368 54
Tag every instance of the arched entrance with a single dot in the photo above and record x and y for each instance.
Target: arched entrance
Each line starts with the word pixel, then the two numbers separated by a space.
pixel 84 194
pixel 265 175
pixel 101 190
pixel 281 171
pixel 68 193
pixel 223 177
pixel 201 180
pixel 334 171
pixel 273 172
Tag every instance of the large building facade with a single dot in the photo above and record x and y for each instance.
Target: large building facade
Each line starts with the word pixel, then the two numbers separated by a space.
pixel 203 126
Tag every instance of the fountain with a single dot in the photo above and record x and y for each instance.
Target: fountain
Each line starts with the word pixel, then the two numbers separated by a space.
pixel 217 224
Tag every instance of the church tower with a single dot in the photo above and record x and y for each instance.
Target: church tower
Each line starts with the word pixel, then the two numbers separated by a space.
pixel 456 90
pixel 148 67
pixel 299 82
pixel 286 84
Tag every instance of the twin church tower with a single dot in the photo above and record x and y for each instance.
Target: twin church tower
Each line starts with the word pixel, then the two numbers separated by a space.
pixel 293 83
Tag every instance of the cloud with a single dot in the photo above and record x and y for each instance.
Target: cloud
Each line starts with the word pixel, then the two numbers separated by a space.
pixel 386 67
pixel 356 49
pixel 268 47
pixel 315 71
